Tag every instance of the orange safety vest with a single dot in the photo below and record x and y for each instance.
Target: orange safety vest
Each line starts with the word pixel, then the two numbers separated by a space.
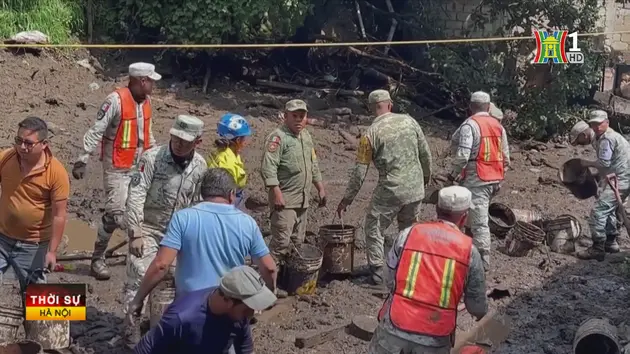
pixel 430 280
pixel 490 155
pixel 125 143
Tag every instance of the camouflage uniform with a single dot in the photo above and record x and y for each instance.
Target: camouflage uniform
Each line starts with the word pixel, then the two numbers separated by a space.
pixel 401 154
pixel 390 340
pixel 290 162
pixel 466 144
pixel 613 156
pixel 115 181
pixel 159 188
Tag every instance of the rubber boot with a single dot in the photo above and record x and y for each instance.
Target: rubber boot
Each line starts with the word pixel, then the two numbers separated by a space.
pixel 611 245
pixel 99 269
pixel 376 275
pixel 597 251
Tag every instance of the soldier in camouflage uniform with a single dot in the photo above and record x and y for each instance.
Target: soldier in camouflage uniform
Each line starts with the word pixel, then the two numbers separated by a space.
pixel 289 168
pixel 401 154
pixel 167 180
pixel 466 143
pixel 123 129
pixel 613 157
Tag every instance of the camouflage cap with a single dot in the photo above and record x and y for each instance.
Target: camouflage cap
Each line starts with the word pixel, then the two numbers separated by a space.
pixel 480 97
pixel 454 198
pixel 186 127
pixel 295 105
pixel 495 111
pixel 597 116
pixel 377 96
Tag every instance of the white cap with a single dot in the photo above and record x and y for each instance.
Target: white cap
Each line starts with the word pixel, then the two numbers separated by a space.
pixel 186 127
pixel 577 129
pixel 480 97
pixel 495 112
pixel 597 116
pixel 144 70
pixel 454 198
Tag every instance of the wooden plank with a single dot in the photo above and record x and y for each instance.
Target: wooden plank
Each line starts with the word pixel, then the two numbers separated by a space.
pixel 491 330
pixel 317 337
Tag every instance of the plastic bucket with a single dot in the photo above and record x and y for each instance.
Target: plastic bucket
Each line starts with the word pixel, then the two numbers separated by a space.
pixel 158 302
pixel 22 347
pixel 562 233
pixel 501 219
pixel 338 245
pixel 596 335
pixel 302 270
pixel 52 335
pixel 522 239
pixel 580 181
pixel 10 321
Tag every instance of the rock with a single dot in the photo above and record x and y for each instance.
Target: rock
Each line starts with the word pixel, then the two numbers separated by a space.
pixel 30 37
pixel 93 86
pixel 363 327
pixel 86 64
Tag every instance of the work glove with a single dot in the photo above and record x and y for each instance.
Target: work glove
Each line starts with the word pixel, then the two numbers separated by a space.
pixel 135 246
pixel 78 170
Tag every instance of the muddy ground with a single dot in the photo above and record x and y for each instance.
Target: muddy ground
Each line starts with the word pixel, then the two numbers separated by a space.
pixel 546 305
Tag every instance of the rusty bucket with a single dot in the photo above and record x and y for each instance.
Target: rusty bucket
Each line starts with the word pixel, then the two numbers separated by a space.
pixel 562 232
pixel 581 182
pixel 338 245
pixel 522 239
pixel 596 335
pixel 501 219
pixel 21 347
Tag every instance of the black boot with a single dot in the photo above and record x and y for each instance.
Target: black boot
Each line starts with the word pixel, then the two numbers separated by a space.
pixel 377 277
pixel 611 245
pixel 596 251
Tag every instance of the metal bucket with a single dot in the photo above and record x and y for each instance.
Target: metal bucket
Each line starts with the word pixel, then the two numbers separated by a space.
pixel 501 219
pixel 522 239
pixel 21 347
pixel 52 335
pixel 10 321
pixel 562 233
pixel 596 335
pixel 338 245
pixel 159 300
pixel 302 270
pixel 530 216
pixel 580 181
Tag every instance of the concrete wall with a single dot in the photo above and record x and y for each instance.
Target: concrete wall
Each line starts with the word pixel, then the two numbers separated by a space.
pixel 617 19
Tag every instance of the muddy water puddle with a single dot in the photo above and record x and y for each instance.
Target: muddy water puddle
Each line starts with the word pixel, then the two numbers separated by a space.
pixel 80 236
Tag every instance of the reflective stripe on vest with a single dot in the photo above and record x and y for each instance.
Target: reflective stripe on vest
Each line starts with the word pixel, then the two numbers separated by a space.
pixel 430 280
pixel 490 156
pixel 125 143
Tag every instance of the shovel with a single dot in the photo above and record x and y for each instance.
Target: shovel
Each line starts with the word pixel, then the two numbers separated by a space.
pixel 621 211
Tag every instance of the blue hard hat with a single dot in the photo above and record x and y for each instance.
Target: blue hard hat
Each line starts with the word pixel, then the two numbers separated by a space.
pixel 233 126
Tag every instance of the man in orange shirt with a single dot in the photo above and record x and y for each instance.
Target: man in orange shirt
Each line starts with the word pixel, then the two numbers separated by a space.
pixel 33 201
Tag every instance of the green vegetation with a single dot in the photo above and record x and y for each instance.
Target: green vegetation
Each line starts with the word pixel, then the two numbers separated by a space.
pixel 58 19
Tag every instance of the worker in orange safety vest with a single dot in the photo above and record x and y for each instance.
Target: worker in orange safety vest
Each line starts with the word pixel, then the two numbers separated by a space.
pixel 481 156
pixel 123 129
pixel 430 268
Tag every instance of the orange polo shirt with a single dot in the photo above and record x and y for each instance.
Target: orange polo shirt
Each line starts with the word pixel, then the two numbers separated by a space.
pixel 26 202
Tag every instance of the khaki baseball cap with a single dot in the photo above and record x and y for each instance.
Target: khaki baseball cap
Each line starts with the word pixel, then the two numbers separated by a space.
pixel 495 111
pixel 597 116
pixel 245 284
pixel 187 128
pixel 377 96
pixel 295 105
pixel 577 129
